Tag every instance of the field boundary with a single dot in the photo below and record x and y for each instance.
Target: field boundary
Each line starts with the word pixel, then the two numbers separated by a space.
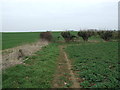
pixel 15 55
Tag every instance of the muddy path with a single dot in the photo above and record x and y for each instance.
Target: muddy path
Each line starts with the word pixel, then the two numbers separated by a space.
pixel 64 77
pixel 15 55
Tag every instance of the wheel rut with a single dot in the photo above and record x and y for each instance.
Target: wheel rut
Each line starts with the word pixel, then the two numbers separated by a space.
pixel 64 77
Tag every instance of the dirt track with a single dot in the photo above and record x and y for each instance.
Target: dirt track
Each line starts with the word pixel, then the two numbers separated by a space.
pixel 64 75
pixel 14 55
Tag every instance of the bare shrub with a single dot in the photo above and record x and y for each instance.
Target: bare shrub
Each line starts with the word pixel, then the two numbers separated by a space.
pixel 105 35
pixel 85 34
pixel 46 36
pixel 67 36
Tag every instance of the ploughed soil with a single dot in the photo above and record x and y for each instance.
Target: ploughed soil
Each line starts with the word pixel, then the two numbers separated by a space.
pixel 64 76
pixel 15 55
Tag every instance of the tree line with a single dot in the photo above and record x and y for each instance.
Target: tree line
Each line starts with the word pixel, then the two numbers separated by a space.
pixel 105 35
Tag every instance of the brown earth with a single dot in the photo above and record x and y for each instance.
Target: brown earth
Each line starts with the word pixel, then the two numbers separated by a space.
pixel 64 77
pixel 15 55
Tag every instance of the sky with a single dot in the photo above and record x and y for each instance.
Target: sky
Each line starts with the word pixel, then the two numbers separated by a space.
pixel 53 15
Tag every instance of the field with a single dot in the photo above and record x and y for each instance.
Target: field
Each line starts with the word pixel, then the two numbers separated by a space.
pixel 96 64
pixel 10 40
pixel 92 64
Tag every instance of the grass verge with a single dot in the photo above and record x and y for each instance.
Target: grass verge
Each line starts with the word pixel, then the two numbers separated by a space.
pixel 36 72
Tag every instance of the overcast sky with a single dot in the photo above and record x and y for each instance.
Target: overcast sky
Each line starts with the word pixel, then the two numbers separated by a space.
pixel 37 15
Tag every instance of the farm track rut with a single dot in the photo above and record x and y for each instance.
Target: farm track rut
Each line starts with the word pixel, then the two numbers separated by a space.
pixel 64 76
pixel 13 56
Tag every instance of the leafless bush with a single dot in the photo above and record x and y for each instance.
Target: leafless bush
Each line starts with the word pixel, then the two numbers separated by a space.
pixel 105 35
pixel 46 36
pixel 85 34
pixel 67 36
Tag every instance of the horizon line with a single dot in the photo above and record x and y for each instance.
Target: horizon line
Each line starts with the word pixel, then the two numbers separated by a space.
pixel 59 30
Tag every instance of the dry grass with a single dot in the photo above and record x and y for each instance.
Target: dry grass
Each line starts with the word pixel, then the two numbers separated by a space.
pixel 14 55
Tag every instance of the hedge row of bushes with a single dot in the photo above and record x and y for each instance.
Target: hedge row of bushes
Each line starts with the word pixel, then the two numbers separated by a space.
pixel 105 35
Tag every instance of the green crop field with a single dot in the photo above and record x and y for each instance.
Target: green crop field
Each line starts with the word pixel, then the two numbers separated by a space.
pixel 10 40
pixel 96 64
pixel 14 39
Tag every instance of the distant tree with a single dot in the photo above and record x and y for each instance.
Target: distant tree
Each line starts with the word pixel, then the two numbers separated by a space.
pixel 46 36
pixel 85 34
pixel 67 36
pixel 105 35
